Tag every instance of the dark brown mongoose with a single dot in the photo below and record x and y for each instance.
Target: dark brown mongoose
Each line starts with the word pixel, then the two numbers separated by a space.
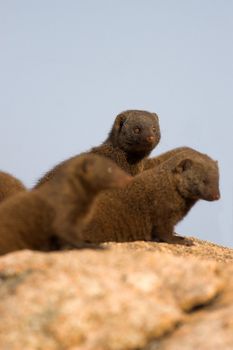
pixel 28 220
pixel 9 186
pixel 154 202
pixel 133 136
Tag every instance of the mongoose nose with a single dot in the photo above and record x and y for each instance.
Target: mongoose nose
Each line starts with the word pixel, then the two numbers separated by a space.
pixel 123 181
pixel 150 139
pixel 216 196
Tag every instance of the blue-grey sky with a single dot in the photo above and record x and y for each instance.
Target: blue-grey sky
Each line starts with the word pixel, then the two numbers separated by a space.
pixel 68 67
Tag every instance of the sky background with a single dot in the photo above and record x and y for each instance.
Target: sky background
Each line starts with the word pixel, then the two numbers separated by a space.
pixel 67 68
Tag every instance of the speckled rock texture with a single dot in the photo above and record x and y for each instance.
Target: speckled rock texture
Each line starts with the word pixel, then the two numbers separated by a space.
pixel 137 295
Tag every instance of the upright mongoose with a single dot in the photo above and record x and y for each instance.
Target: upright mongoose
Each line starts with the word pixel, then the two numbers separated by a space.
pixel 28 220
pixel 9 186
pixel 153 203
pixel 133 136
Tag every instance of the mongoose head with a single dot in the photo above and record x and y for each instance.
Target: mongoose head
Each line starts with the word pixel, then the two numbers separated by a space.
pixel 135 132
pixel 98 173
pixel 198 178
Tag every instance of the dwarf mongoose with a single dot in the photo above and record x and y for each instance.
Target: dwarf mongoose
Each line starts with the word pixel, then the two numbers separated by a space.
pixel 9 186
pixel 29 219
pixel 133 136
pixel 154 202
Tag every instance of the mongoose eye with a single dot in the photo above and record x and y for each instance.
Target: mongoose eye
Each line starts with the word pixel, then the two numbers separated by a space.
pixel 154 129
pixel 136 130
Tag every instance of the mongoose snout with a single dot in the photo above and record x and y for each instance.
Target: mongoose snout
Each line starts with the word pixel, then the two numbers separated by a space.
pixel 119 180
pixel 216 196
pixel 212 197
pixel 150 139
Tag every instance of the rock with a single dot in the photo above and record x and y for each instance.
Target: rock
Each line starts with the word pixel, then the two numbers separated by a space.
pixel 137 295
pixel 212 330
pixel 202 249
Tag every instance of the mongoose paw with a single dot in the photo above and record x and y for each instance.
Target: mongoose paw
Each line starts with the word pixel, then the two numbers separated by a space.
pixel 182 240
pixel 175 239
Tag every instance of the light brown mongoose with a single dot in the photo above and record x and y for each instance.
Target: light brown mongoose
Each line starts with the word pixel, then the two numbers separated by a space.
pixel 9 186
pixel 28 220
pixel 133 136
pixel 153 203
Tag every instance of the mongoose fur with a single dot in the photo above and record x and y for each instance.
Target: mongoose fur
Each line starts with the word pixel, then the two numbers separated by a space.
pixel 155 161
pixel 29 220
pixel 133 136
pixel 151 205
pixel 9 186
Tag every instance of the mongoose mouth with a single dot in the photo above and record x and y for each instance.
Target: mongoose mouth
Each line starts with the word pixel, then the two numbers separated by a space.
pixel 213 197
pixel 142 144
pixel 216 196
pixel 122 181
pixel 150 139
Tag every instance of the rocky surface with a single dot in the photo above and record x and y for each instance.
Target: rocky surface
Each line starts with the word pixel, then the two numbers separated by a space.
pixel 140 295
pixel 202 249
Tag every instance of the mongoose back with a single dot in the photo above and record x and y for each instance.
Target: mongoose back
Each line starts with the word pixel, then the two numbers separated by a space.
pixel 154 202
pixel 9 186
pixel 156 161
pixel 133 136
pixel 29 220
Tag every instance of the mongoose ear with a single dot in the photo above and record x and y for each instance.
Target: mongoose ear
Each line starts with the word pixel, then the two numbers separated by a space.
pixel 156 116
pixel 184 165
pixel 119 122
pixel 87 165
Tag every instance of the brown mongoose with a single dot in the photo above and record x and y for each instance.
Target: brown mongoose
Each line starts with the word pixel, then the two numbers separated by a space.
pixel 133 136
pixel 9 186
pixel 27 220
pixel 154 202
